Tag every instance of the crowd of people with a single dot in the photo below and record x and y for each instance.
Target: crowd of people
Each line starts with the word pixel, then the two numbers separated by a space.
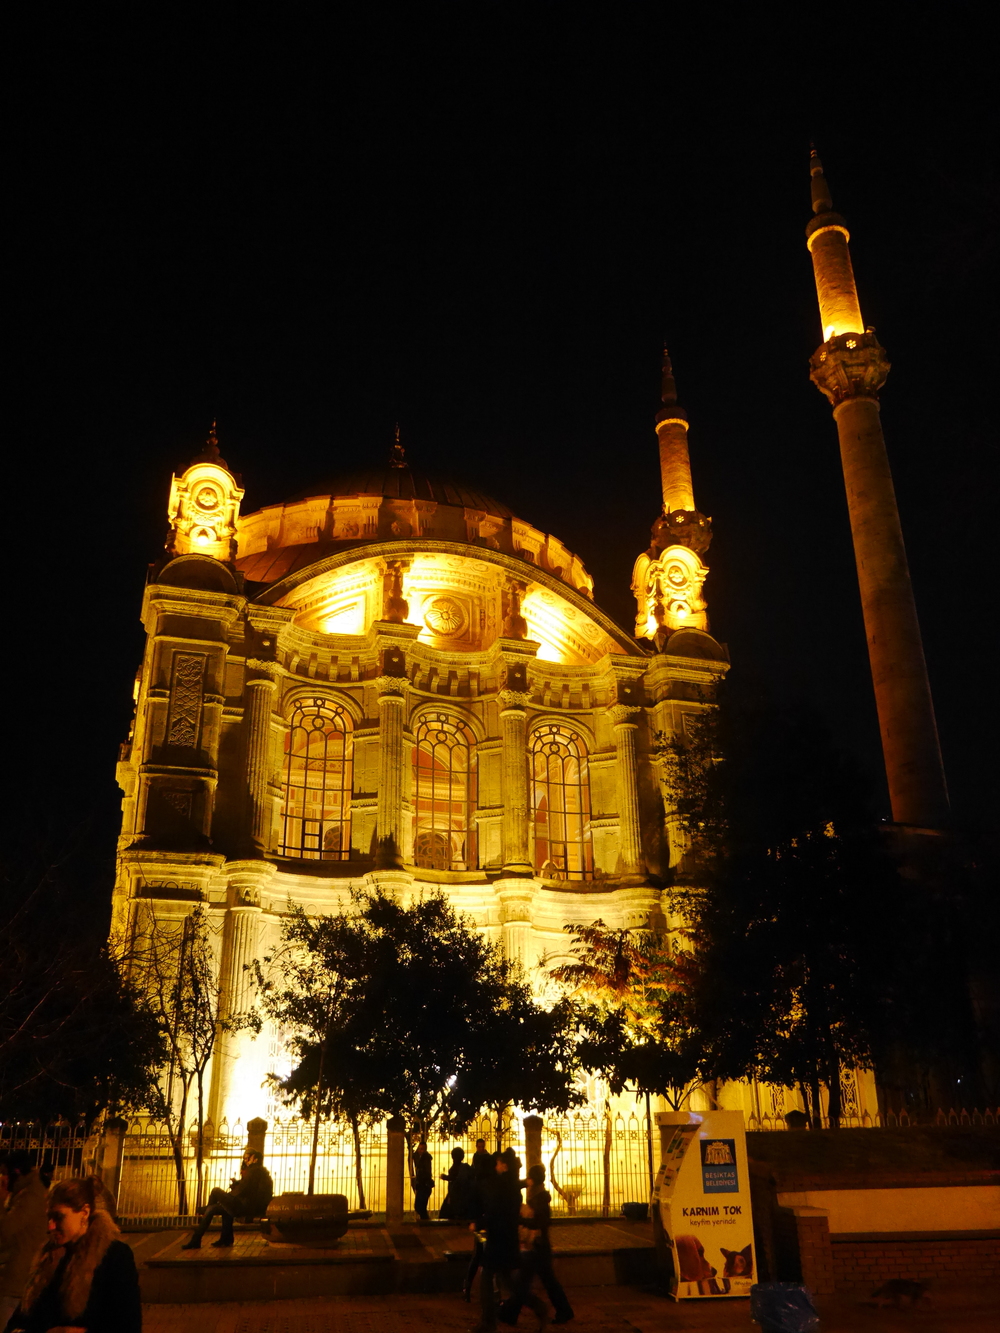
pixel 63 1265
pixel 511 1244
pixel 65 1269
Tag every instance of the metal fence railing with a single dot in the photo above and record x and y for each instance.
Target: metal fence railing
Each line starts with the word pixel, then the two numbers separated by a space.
pixel 887 1120
pixel 61 1149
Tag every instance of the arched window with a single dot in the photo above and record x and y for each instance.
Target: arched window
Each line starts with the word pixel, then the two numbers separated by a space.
pixel 444 835
pixel 560 803
pixel 316 810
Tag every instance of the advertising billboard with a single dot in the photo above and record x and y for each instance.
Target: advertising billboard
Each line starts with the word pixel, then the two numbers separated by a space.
pixel 702 1198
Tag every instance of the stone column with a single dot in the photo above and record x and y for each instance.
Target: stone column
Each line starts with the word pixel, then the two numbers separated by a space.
pixel 240 948
pixel 260 704
pixel 812 1230
pixel 256 1135
pixel 533 1126
pixel 395 1169
pixel 391 754
pixel 626 781
pixel 514 724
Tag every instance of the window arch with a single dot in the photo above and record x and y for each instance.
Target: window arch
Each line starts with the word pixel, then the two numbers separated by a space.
pixel 444 759
pixel 317 780
pixel 560 804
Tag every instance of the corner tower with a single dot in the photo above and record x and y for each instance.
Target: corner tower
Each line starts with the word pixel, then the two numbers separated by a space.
pixel 668 578
pixel 850 367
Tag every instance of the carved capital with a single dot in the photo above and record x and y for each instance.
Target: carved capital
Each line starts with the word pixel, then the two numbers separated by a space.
pixel 624 714
pixel 852 365
pixel 514 699
pixel 389 686
pixel 268 670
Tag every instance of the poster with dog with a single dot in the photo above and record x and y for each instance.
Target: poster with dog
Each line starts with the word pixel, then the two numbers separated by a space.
pixel 703 1201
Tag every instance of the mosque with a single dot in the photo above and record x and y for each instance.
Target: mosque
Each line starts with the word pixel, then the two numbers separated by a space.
pixel 393 680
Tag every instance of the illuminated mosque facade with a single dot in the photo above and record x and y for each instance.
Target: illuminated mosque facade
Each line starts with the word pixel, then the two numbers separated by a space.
pixel 394 681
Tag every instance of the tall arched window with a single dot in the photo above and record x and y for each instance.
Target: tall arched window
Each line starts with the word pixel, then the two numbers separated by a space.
pixel 560 803
pixel 316 810
pixel 445 780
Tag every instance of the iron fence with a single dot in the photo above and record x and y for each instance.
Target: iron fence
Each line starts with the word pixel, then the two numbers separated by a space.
pixel 887 1120
pixel 595 1161
pixel 61 1149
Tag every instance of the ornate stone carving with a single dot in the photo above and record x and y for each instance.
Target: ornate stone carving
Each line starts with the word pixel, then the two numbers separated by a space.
pixel 514 624
pixel 668 593
pixel 514 699
pixel 624 713
pixel 395 606
pixel 391 685
pixel 852 365
pixel 681 527
pixel 445 616
pixel 204 506
pixel 186 697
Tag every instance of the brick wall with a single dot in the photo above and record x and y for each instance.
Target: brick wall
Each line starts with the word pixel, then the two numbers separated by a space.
pixel 864 1262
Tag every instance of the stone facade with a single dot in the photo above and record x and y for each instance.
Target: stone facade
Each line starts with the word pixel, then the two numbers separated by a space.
pixel 394 683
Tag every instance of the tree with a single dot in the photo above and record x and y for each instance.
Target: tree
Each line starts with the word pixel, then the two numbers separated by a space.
pixel 408 1011
pixel 174 967
pixel 76 1037
pixel 796 918
pixel 641 1025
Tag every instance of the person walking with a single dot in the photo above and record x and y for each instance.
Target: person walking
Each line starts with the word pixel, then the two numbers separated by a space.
pixel 483 1169
pixel 22 1227
pixel 498 1222
pixel 458 1202
pixel 536 1254
pixel 247 1197
pixel 423 1180
pixel 84 1278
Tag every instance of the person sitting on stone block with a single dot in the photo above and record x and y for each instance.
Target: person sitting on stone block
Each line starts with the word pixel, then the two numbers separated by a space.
pixel 247 1197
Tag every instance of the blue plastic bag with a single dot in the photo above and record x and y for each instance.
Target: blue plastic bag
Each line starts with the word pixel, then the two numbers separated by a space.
pixel 783 1307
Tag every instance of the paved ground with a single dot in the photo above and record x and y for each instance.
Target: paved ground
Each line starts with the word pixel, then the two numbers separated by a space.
pixel 599 1310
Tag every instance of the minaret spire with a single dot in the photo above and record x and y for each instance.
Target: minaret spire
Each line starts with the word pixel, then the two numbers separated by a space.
pixel 671 430
pixel 668 578
pixel 850 368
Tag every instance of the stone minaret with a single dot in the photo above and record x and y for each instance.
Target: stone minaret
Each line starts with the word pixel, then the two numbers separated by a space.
pixel 849 368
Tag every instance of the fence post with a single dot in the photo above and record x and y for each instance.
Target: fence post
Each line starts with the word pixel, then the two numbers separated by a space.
pixel 256 1134
pixel 109 1156
pixel 815 1255
pixel 533 1125
pixel 395 1160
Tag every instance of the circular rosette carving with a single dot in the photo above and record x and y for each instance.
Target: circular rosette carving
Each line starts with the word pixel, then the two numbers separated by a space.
pixel 445 616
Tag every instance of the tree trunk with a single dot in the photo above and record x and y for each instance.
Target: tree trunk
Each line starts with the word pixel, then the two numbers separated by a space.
pixel 817 1103
pixel 178 1147
pixel 833 1085
pixel 358 1172
pixel 200 1143
pixel 316 1119
pixel 649 1143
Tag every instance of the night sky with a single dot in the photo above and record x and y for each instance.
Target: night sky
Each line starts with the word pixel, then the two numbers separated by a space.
pixel 484 222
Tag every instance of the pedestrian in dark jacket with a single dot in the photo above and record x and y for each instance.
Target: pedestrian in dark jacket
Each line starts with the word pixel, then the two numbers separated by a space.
pixel 246 1197
pixel 22 1227
pixel 458 1202
pixel 423 1180
pixel 498 1220
pixel 536 1254
pixel 483 1169
pixel 84 1277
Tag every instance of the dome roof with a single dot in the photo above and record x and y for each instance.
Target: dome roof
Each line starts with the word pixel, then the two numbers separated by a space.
pixel 401 482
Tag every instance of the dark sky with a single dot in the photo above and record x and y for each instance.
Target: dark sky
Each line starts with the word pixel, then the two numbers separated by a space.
pixel 484 222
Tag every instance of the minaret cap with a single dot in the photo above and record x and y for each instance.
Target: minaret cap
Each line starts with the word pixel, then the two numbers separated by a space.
pixel 821 200
pixel 210 453
pixel 397 454
pixel 668 393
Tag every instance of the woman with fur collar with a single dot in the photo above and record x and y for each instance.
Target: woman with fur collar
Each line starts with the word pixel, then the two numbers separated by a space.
pixel 84 1279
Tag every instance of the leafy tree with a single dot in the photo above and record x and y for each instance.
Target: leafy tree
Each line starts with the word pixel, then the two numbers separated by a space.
pixel 409 1011
pixel 641 1024
pixel 796 921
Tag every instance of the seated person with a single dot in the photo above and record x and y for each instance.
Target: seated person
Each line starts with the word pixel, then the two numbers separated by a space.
pixel 247 1197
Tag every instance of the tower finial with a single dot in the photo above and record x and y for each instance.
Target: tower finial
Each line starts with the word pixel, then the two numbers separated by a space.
pixel 821 200
pixel 397 454
pixel 668 388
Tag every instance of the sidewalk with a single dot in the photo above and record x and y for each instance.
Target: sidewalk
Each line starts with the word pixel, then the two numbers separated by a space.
pixel 598 1309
